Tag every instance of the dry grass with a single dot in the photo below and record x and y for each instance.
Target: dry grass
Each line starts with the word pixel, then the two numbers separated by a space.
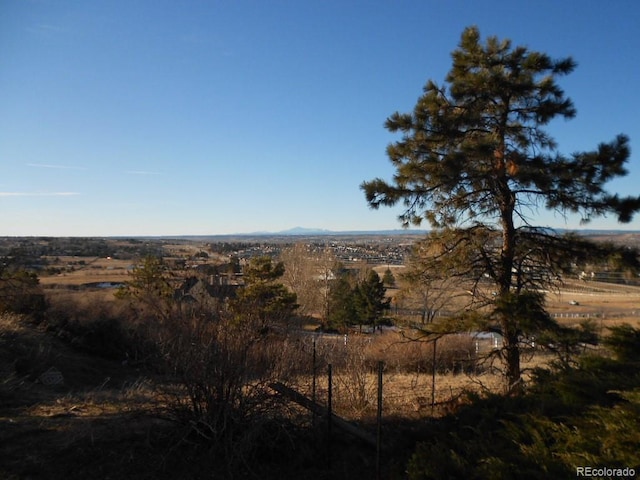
pixel 607 304
pixel 107 420
pixel 408 381
pixel 82 270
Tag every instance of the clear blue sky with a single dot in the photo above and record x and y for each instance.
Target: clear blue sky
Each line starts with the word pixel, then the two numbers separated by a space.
pixel 158 117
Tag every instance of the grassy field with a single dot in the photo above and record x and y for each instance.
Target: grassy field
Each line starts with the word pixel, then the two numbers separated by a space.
pixel 75 271
pixel 611 302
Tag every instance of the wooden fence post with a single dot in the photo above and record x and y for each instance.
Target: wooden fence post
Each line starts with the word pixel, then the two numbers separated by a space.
pixel 433 377
pixel 329 415
pixel 313 382
pixel 379 423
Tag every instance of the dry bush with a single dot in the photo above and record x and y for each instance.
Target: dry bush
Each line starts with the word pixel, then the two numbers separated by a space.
pixel 454 353
pixel 355 383
pixel 222 369
pixel 217 368
pixel 408 368
pixel 95 323
pixel 23 357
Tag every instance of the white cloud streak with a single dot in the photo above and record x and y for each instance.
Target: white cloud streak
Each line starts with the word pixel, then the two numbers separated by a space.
pixel 38 194
pixel 59 167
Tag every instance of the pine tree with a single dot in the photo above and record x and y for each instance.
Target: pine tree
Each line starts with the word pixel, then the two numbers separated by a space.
pixel 475 161
pixel 263 301
pixel 370 300
pixel 342 310
pixel 388 279
pixel 151 288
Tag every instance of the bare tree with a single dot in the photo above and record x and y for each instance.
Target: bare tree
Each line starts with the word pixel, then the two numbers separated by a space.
pixel 308 273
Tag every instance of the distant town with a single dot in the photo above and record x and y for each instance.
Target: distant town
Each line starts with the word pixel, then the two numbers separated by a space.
pixel 374 248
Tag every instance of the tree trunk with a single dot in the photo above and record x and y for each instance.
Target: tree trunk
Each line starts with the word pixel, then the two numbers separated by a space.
pixel 508 323
pixel 511 351
pixel 507 203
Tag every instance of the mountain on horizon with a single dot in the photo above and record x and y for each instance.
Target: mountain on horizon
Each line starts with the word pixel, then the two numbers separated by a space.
pixel 304 231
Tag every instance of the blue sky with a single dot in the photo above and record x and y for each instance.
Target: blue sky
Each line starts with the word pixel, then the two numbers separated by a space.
pixel 158 117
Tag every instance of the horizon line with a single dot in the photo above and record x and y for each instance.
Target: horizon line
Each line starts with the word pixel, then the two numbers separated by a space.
pixel 295 233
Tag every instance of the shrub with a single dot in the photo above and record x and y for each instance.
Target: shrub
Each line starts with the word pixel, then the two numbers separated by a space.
pixel 624 342
pixel 97 326
pixel 20 293
pixel 454 353
pixel 223 369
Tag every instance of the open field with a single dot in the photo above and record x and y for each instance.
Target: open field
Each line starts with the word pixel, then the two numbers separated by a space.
pixel 75 271
pixel 606 303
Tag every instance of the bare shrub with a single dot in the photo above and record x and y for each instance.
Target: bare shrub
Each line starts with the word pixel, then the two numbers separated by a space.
pixel 98 325
pixel 455 354
pixel 22 357
pixel 222 369
pixel 400 353
pixel 355 384
pixel 355 362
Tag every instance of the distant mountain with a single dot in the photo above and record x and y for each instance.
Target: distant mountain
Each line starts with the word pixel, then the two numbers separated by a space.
pixel 304 231
pixel 299 232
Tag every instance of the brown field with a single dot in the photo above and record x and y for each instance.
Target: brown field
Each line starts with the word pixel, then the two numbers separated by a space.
pixel 575 301
pixel 607 304
pixel 83 270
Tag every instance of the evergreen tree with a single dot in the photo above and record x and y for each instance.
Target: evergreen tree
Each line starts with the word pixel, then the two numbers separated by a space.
pixel 150 288
pixel 388 279
pixel 370 300
pixel 263 300
pixel 342 309
pixel 475 161
pixel 20 292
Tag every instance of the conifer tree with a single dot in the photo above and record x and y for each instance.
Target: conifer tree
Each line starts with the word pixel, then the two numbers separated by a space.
pixel 342 310
pixel 476 162
pixel 388 279
pixel 150 288
pixel 370 300
pixel 263 300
